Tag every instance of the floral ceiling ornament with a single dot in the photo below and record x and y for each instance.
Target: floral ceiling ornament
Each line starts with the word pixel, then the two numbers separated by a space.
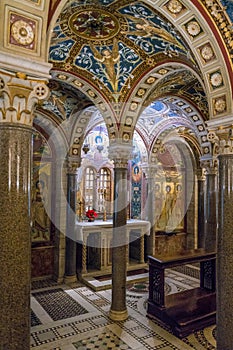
pixel 216 79
pixel 207 53
pixel 193 28
pixel 220 105
pixel 174 6
pixel 109 43
pixel 94 24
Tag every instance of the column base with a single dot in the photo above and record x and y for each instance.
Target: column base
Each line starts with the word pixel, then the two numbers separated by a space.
pixel 118 315
pixel 70 279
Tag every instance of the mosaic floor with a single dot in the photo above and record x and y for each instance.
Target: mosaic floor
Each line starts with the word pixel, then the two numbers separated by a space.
pixel 65 318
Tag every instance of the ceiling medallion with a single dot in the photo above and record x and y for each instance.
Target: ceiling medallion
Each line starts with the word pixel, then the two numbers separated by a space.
pixel 207 52
pixel 94 24
pixel 174 6
pixel 22 32
pixel 216 79
pixel 220 104
pixel 193 28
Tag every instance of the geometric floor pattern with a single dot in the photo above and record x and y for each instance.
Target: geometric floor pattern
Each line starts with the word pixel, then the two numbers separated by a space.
pixel 94 329
pixel 58 304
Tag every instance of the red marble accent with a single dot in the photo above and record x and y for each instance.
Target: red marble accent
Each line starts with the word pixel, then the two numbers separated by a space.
pixel 42 261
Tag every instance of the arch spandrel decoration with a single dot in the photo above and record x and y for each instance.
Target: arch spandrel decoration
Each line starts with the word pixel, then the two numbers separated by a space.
pixel 191 26
pixel 133 35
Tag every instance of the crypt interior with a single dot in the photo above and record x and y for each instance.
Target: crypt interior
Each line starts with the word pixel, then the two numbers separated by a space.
pixel 116 143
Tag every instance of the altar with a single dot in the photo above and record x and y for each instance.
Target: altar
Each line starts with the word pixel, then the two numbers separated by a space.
pixel 94 240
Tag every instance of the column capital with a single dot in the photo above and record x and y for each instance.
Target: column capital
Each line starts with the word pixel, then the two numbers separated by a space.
pixel 200 174
pixel 73 164
pixel 149 170
pixel 120 153
pixel 210 165
pixel 19 94
pixel 222 139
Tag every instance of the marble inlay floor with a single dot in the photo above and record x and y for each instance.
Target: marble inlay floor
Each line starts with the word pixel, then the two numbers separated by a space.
pixel 94 330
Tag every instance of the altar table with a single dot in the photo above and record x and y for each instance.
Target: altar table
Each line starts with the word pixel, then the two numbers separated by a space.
pixel 95 239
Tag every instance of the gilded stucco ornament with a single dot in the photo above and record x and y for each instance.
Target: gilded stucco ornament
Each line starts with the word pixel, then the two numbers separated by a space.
pixel 220 104
pixel 174 6
pixel 19 96
pixel 193 28
pixel 95 24
pixel 216 79
pixel 222 140
pixel 22 32
pixel 207 52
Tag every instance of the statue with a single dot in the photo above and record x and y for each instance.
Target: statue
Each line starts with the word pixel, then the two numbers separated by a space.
pixel 164 222
pixel 108 59
pixel 41 221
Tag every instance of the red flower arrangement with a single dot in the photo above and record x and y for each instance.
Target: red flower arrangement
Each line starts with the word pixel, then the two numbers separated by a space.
pixel 91 214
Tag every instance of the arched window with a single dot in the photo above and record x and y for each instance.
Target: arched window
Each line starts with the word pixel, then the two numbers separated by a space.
pixel 104 191
pixel 89 188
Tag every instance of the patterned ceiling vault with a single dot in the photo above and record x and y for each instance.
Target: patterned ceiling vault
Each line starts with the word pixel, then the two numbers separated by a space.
pixel 115 43
pixel 228 4
pixel 64 100
pixel 185 84
pixel 165 116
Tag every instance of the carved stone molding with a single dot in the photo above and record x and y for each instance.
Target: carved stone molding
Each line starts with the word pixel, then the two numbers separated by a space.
pixel 149 170
pixel 73 164
pixel 120 153
pixel 210 166
pixel 19 96
pixel 222 140
pixel 200 174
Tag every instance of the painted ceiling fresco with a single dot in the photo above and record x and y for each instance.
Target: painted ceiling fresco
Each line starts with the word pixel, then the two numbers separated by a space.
pixel 64 100
pixel 185 84
pixel 228 4
pixel 115 43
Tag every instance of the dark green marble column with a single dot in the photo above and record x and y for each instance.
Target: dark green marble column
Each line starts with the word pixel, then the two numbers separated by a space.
pixel 118 311
pixel 71 245
pixel 211 206
pixel 225 254
pixel 15 236
pixel 150 209
pixel 18 96
pixel 201 207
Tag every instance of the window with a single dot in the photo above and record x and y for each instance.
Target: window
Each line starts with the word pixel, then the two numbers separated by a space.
pixel 104 190
pixel 88 188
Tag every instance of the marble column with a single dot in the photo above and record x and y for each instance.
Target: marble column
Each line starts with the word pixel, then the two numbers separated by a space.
pixel 150 240
pixel 201 207
pixel 60 220
pixel 225 254
pixel 18 96
pixel 71 245
pixel 210 235
pixel 120 154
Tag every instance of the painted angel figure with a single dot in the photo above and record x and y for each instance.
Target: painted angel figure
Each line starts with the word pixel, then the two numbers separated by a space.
pixel 108 59
pixel 146 29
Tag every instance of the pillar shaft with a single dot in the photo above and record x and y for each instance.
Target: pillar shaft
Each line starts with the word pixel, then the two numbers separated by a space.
pixel 71 245
pixel 120 153
pixel 150 245
pixel 201 211
pixel 211 213
pixel 119 244
pixel 18 96
pixel 15 237
pixel 225 254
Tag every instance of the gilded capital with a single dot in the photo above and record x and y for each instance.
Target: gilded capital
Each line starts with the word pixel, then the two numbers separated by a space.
pixel 149 170
pixel 120 153
pixel 222 139
pixel 210 166
pixel 200 174
pixel 73 164
pixel 19 96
